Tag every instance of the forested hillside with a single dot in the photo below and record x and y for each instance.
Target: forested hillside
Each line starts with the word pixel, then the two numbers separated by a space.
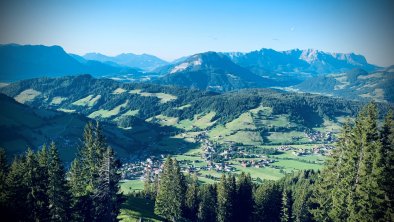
pixel 138 113
pixel 356 84
pixel 354 185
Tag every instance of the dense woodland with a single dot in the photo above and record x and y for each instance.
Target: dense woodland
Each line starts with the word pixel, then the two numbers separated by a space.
pixel 306 109
pixel 36 187
pixel 355 185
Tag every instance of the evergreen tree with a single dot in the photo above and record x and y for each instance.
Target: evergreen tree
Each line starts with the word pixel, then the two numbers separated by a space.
pixel 84 173
pixel 81 202
pixel 286 214
pixel 58 191
pixel 37 198
pixel 301 203
pixel 155 187
pixel 267 200
pixel 191 199
pixel 336 177
pixel 170 197
pixel 387 163
pixel 107 194
pixel 207 205
pixel 349 187
pixel 148 182
pixel 91 154
pixel 3 175
pixel 244 200
pixel 225 198
pixel 17 191
pixel 365 193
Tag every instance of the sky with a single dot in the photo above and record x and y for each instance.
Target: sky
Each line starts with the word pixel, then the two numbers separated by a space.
pixel 171 29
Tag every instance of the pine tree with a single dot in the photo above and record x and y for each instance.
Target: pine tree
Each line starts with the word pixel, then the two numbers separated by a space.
pixel 107 193
pixel 301 202
pixel 3 175
pixel 267 198
pixel 244 200
pixel 170 197
pixel 58 191
pixel 333 183
pixel 147 182
pixel 91 154
pixel 81 202
pixel 191 199
pixel 84 173
pixel 225 198
pixel 17 191
pixel 349 187
pixel 155 187
pixel 286 214
pixel 387 163
pixel 366 194
pixel 37 198
pixel 207 204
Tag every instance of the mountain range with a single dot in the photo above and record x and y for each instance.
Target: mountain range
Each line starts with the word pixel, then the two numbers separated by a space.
pixel 305 70
pixel 145 62
pixel 30 61
pixel 297 65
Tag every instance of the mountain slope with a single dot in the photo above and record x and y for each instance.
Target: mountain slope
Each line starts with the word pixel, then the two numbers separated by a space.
pixel 143 61
pixel 355 84
pixel 143 119
pixel 293 66
pixel 23 126
pixel 28 61
pixel 211 71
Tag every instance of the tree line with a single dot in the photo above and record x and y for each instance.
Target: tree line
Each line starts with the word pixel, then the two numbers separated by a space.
pixel 355 185
pixel 36 186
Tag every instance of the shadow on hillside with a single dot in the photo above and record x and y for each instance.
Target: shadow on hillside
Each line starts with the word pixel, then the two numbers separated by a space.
pixel 138 139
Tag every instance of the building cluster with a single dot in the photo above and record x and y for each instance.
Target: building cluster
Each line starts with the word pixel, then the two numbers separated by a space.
pixel 322 149
pixel 316 136
pixel 137 170
pixel 256 163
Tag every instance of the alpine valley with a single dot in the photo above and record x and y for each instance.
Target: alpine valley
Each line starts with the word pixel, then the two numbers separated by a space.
pixel 268 113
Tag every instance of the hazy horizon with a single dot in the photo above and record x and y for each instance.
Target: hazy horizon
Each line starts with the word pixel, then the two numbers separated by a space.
pixel 173 28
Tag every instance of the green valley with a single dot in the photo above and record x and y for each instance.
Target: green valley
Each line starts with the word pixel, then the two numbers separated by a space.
pixel 262 131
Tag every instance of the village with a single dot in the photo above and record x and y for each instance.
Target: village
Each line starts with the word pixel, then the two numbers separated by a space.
pixel 222 158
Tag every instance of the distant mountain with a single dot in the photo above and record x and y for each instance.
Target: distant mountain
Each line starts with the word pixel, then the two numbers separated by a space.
pixel 29 61
pixel 356 84
pixel 211 71
pixel 144 61
pixel 296 65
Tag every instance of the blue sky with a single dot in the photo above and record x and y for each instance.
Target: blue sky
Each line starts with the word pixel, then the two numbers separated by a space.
pixel 175 28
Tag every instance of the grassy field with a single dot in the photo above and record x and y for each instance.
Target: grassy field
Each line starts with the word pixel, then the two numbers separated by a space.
pixel 119 91
pixel 286 137
pixel 128 186
pixel 108 113
pixel 88 101
pixel 135 208
pixel 296 165
pixel 201 121
pixel 27 95
pixel 164 97
pixel 58 100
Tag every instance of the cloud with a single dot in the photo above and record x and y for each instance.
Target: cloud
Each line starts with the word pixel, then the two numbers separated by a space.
pixel 292 29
